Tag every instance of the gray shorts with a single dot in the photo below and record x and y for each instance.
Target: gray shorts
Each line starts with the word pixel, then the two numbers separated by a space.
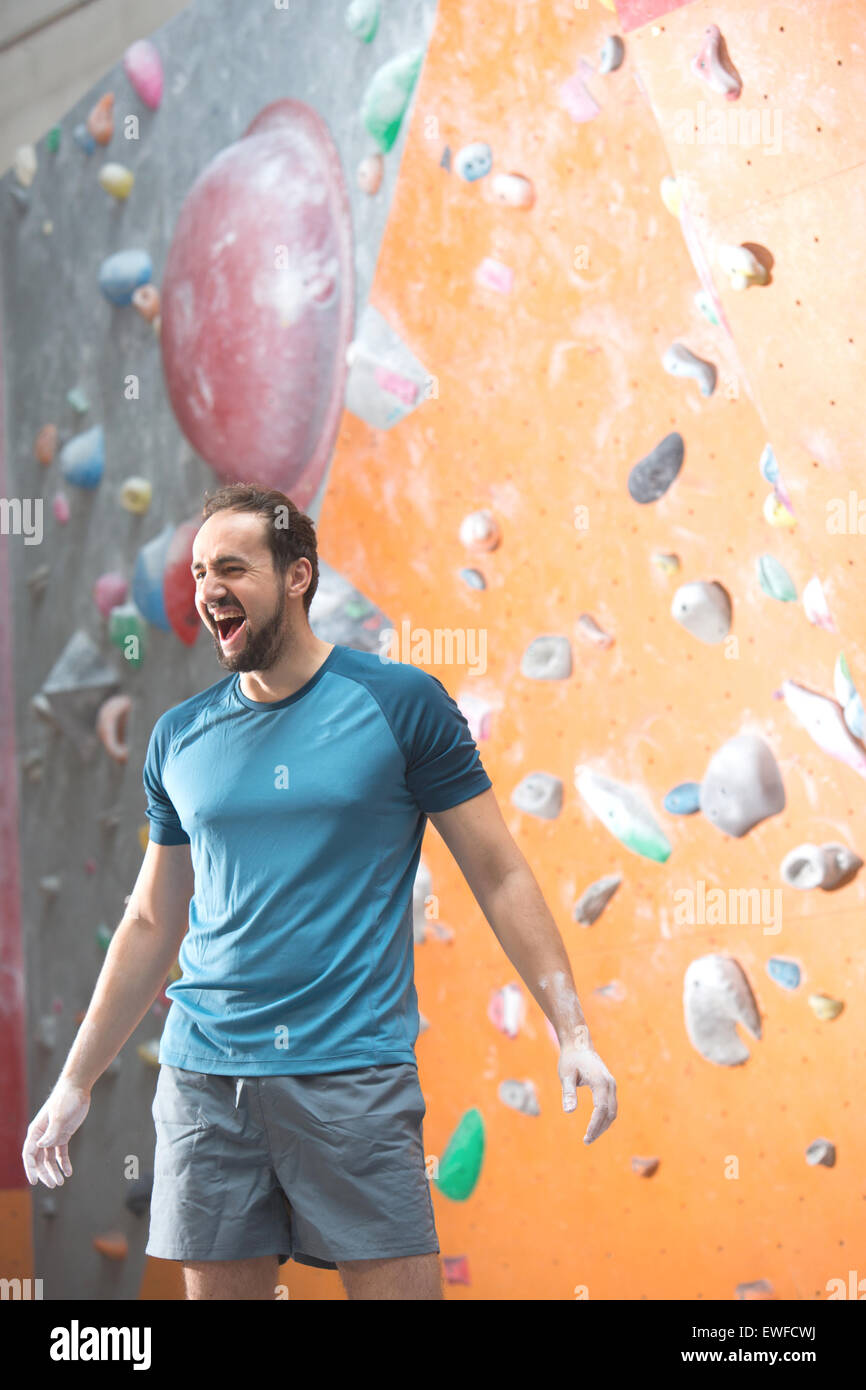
pixel 311 1168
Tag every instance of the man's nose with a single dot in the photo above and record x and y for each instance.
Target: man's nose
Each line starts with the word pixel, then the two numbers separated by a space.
pixel 211 590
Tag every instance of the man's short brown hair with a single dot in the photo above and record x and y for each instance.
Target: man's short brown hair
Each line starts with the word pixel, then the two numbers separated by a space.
pixel 290 532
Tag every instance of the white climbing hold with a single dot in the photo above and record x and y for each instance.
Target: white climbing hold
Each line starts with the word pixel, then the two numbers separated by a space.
pixel 741 266
pixel 716 997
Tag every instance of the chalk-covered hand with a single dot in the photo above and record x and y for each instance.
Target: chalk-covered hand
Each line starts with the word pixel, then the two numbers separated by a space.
pixel 580 1065
pixel 45 1152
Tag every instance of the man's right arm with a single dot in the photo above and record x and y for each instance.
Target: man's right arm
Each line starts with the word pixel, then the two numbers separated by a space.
pixel 140 954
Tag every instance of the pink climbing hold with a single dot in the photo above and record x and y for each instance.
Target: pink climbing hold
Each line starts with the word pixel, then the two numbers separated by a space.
pixel 109 591
pixel 715 67
pixel 143 66
pixel 111 726
pixel 60 508
pixel 578 102
pixel 456 1269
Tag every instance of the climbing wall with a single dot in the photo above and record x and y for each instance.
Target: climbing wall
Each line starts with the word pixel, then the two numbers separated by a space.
pixel 662 638
pixel 154 177
pixel 563 474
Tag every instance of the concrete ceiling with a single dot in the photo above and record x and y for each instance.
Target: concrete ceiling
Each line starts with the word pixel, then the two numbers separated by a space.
pixel 52 51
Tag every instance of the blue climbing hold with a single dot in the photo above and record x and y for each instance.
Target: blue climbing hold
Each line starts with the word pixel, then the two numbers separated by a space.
pixel 82 458
pixel 684 799
pixel 785 972
pixel 473 161
pixel 81 135
pixel 121 275
pixel 474 578
pixel 148 579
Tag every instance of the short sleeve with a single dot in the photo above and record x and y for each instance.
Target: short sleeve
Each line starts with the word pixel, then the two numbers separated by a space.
pixel 443 765
pixel 165 826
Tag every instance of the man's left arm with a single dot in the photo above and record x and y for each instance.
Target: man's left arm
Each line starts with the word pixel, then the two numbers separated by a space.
pixel 506 890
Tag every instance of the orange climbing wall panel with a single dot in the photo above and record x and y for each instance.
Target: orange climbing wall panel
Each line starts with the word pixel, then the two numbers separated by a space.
pixel 546 398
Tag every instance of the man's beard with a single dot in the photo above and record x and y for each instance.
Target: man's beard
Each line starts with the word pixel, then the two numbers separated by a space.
pixel 261 649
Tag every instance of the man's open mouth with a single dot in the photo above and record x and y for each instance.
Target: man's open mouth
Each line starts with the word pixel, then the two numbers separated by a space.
pixel 229 627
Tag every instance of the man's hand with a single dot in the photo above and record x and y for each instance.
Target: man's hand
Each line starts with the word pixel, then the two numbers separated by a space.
pixel 580 1065
pixel 46 1152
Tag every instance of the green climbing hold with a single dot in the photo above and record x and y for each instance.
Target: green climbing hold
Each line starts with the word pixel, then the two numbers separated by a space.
pixel 362 19
pixel 775 579
pixel 103 936
pixel 52 140
pixel 387 97
pixel 461 1162
pixel 126 630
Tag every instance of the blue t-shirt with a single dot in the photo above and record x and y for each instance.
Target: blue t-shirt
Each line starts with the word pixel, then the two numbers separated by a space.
pixel 305 819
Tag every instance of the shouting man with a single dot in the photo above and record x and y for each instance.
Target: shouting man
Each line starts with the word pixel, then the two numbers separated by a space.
pixel 287 805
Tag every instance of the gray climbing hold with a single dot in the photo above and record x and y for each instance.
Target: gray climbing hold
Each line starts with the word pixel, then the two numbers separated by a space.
pixel 592 902
pixel 612 54
pixel 644 1167
pixel 827 866
pixel 703 609
pixel 757 1289
pixel 540 794
pixel 589 628
pixel 547 659
pixel 386 381
pixel 50 885
pixel 652 475
pixel 821 1151
pixel 681 361
pixel 741 786
pixel 46 1032
pixel 785 972
pixel 342 614
pixel 38 580
pixel 716 997
pixel 138 1198
pixel 624 813
pixel 520 1095
pixel 33 765
pixel 76 686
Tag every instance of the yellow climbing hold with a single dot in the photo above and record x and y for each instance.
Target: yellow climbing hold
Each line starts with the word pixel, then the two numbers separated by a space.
pixel 117 180
pixel 776 513
pixel 135 495
pixel 824 1007
pixel 175 972
pixel 668 564
pixel 672 195
pixel 143 837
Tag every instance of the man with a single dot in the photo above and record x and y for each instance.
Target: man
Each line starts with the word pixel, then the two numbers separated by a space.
pixel 287 805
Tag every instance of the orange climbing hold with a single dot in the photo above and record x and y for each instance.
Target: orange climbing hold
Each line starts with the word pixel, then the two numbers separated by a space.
pixel 113 1245
pixel 45 444
pixel 100 122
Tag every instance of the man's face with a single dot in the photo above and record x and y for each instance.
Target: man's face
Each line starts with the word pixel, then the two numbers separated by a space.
pixel 240 598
